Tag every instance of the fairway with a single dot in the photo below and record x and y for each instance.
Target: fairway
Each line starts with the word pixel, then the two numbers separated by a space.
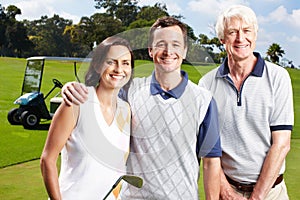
pixel 20 176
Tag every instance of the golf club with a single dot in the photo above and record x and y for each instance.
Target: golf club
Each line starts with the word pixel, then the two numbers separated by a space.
pixel 132 180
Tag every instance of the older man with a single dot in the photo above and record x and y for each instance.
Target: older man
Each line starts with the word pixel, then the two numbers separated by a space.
pixel 255 104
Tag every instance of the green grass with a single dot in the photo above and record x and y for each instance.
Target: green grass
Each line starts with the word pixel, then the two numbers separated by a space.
pixel 295 77
pixel 17 144
pixel 22 180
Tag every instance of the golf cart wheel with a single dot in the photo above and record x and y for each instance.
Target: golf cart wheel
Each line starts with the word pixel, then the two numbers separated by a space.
pixel 30 120
pixel 13 116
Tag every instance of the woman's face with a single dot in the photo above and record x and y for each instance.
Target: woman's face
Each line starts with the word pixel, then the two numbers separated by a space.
pixel 116 70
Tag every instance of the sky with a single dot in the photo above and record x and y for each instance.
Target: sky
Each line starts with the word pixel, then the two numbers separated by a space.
pixel 278 20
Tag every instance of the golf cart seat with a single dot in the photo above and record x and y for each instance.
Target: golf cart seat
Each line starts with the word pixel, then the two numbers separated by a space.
pixel 54 103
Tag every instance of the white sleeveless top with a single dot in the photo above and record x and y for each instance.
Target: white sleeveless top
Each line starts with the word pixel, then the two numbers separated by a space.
pixel 95 155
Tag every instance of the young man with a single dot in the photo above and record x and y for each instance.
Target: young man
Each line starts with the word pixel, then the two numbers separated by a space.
pixel 255 104
pixel 174 123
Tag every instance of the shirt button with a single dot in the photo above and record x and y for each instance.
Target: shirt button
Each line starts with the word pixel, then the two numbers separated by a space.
pixel 163 94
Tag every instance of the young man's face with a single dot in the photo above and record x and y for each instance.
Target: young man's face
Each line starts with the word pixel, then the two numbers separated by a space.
pixel 168 49
pixel 239 39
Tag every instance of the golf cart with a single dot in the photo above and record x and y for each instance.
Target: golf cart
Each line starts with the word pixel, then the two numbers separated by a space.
pixel 32 107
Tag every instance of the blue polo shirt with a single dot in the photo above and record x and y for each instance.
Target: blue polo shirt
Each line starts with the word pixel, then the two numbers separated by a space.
pixel 175 92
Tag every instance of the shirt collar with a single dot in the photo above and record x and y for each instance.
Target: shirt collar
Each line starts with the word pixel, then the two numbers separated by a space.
pixel 175 92
pixel 257 71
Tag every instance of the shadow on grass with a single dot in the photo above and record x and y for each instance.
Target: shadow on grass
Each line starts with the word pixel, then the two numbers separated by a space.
pixel 41 127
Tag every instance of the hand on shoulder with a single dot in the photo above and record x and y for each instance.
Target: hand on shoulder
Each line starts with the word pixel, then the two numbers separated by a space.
pixel 74 93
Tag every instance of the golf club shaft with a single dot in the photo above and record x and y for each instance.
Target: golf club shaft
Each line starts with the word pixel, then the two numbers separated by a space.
pixel 113 187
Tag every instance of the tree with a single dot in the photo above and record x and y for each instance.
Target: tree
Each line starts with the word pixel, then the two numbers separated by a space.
pixel 109 5
pixel 104 26
pixel 210 45
pixel 12 11
pixel 274 52
pixel 48 36
pixel 203 39
pixel 216 42
pixel 191 34
pixel 56 36
pixel 127 11
pixel 94 29
pixel 137 32
pixel 81 35
pixel 151 13
pixel 18 40
pixel 3 40
pixel 14 40
pixel 124 10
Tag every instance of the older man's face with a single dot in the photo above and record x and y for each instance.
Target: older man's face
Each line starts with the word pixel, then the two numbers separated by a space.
pixel 239 39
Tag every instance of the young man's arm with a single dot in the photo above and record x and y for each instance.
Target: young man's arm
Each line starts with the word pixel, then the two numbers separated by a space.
pixel 74 93
pixel 226 191
pixel 211 177
pixel 209 148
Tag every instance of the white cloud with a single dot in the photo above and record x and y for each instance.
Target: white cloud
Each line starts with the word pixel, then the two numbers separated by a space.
pixel 281 16
pixel 146 2
pixel 202 14
pixel 34 9
pixel 294 18
pixel 273 1
pixel 174 8
pixel 66 15
pixel 213 7
pixel 263 37
pixel 293 39
pixel 278 15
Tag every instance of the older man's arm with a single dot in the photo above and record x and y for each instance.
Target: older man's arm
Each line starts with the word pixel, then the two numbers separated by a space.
pixel 272 164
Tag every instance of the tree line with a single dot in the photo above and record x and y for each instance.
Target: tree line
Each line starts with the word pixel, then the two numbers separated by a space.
pixel 56 36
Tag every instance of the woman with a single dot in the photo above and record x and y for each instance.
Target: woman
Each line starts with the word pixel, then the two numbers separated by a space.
pixel 93 138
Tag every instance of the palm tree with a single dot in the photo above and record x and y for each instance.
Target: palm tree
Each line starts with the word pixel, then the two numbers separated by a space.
pixel 274 52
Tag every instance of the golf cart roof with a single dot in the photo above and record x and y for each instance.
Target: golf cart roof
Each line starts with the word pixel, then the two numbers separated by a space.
pixel 72 59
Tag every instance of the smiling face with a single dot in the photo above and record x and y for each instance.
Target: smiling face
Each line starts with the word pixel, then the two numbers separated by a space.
pixel 168 49
pixel 239 39
pixel 116 67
